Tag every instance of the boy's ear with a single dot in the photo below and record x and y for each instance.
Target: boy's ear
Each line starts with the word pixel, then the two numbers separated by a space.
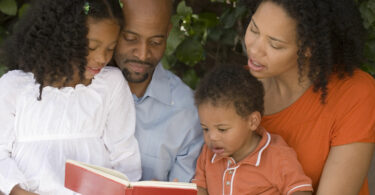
pixel 254 120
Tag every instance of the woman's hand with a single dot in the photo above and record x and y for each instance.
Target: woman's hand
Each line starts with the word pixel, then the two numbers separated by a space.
pixel 17 190
pixel 346 169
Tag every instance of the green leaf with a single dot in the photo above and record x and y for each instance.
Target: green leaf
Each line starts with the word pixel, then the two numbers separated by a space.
pixel 215 33
pixel 8 7
pixel 228 37
pixel 239 11
pixel 23 9
pixel 228 19
pixel 191 78
pixel 209 19
pixel 190 52
pixel 367 14
pixel 184 10
pixel 174 39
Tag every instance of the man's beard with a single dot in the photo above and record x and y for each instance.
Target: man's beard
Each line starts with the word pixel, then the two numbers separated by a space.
pixel 131 79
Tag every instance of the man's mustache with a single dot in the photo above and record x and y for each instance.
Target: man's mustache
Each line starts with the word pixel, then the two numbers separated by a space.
pixel 138 62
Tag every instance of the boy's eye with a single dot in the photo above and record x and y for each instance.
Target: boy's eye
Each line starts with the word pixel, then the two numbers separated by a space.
pixel 205 129
pixel 222 129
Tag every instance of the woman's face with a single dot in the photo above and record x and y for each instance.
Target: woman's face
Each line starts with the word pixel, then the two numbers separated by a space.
pixel 102 37
pixel 271 43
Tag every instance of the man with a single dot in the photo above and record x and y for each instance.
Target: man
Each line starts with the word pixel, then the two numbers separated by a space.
pixel 167 126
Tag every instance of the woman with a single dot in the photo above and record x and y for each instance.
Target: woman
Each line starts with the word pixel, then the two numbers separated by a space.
pixel 306 53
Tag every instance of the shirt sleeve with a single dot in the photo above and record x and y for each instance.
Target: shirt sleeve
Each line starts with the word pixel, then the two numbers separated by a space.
pixel 200 173
pixel 119 133
pixel 355 111
pixel 10 174
pixel 184 165
pixel 291 177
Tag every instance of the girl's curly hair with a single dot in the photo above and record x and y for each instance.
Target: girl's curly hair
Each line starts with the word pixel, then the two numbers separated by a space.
pixel 51 38
pixel 331 30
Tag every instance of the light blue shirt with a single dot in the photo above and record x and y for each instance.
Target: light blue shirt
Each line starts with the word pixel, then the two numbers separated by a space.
pixel 167 128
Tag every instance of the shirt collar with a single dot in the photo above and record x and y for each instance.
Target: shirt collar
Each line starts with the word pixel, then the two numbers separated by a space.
pixel 159 87
pixel 255 157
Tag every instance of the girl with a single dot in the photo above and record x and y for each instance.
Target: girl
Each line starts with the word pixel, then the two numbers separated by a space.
pixel 306 53
pixel 59 100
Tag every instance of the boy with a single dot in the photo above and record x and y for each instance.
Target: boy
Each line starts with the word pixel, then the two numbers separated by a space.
pixel 239 156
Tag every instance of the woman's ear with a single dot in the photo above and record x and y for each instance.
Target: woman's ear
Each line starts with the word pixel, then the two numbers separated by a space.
pixel 254 120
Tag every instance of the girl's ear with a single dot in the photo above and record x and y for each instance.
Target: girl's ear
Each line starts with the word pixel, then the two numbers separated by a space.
pixel 254 120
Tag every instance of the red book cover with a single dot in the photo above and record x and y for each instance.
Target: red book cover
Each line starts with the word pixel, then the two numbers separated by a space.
pixel 90 179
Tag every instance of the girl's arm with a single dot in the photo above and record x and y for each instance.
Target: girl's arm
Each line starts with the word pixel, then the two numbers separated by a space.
pixel 120 127
pixel 202 191
pixel 17 190
pixel 345 169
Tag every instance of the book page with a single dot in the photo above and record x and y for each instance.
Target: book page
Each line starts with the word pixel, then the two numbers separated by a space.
pixel 166 184
pixel 106 172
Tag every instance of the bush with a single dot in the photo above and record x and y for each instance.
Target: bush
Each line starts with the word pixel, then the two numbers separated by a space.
pixel 205 33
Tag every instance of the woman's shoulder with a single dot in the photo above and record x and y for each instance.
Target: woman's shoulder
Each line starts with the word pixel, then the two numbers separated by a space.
pixel 360 84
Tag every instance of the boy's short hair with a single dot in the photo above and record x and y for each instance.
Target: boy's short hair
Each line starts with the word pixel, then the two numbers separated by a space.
pixel 230 84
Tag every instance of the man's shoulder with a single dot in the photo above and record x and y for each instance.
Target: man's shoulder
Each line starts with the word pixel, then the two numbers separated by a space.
pixel 181 92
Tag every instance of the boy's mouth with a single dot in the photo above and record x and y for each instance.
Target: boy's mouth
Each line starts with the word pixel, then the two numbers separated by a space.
pixel 217 150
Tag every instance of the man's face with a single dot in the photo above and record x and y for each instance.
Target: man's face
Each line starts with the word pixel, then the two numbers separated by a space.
pixel 141 44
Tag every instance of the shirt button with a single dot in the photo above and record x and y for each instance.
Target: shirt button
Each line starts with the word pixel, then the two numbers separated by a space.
pixel 230 172
pixel 229 162
pixel 228 183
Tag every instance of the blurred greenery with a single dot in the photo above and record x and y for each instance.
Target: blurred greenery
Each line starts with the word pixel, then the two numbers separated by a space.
pixel 204 33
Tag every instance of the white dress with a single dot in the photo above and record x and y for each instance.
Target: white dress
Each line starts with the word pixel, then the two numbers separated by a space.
pixel 93 124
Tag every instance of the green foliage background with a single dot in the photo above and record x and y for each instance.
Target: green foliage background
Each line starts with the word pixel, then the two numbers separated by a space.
pixel 204 33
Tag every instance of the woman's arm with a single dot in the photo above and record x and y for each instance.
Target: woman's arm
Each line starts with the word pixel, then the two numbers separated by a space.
pixel 345 169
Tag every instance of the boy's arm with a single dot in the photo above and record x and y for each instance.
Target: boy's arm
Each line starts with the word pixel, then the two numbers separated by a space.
pixel 203 191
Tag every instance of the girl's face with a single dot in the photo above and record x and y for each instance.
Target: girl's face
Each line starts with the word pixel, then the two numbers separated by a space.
pixel 271 43
pixel 102 37
pixel 226 133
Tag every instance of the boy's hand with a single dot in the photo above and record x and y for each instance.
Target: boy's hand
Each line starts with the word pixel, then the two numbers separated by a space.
pixel 203 191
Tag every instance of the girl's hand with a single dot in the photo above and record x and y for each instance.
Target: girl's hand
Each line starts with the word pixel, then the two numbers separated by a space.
pixel 17 190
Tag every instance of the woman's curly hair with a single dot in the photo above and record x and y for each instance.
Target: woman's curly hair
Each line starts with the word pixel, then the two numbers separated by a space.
pixel 231 85
pixel 331 30
pixel 51 38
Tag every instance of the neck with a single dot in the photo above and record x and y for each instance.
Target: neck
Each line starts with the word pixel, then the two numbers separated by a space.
pixel 139 89
pixel 281 92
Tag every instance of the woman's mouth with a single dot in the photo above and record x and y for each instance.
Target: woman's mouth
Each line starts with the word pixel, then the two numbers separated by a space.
pixel 255 66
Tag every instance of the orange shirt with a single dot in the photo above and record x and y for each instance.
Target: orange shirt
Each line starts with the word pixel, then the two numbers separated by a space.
pixel 311 128
pixel 272 168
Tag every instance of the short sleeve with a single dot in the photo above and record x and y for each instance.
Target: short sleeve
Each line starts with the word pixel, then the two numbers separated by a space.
pixel 355 111
pixel 200 172
pixel 291 177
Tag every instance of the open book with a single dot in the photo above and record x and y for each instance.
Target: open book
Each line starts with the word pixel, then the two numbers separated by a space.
pixel 91 179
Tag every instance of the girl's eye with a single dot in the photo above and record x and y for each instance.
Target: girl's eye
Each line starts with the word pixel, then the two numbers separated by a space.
pixel 92 48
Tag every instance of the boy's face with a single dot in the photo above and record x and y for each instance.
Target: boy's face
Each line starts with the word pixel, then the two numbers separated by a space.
pixel 226 133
